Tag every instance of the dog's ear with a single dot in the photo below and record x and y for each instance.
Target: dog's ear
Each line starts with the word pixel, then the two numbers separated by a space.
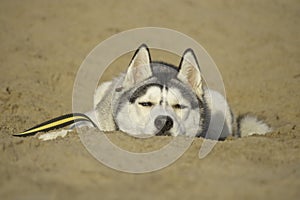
pixel 139 68
pixel 189 71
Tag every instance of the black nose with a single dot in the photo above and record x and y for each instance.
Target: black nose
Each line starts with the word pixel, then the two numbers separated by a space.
pixel 163 124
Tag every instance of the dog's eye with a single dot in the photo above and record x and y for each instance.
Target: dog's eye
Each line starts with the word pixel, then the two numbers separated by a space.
pixel 179 106
pixel 146 104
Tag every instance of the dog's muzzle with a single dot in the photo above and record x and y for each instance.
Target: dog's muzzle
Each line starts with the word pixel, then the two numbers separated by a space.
pixel 163 123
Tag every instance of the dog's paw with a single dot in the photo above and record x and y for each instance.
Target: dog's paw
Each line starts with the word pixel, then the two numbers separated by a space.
pixel 54 135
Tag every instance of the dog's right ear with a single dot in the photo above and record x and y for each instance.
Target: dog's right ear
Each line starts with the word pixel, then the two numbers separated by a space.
pixel 139 68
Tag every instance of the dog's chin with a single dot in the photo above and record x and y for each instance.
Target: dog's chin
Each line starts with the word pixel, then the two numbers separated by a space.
pixel 150 131
pixel 172 132
pixel 147 134
pixel 160 133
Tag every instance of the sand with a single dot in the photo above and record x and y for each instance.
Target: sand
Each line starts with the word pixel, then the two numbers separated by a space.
pixel 255 44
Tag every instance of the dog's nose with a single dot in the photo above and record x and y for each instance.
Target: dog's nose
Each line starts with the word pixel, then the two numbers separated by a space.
pixel 163 123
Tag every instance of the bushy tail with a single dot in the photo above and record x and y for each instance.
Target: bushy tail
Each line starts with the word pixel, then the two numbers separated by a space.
pixel 250 125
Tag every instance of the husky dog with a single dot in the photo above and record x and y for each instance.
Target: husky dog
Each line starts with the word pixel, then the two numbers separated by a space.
pixel 156 98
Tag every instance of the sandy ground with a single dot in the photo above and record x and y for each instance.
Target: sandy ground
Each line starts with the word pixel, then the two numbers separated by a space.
pixel 255 45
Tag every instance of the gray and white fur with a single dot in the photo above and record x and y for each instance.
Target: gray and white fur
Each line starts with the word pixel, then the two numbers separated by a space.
pixel 156 98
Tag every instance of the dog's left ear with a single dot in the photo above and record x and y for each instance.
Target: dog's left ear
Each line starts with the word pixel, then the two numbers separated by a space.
pixel 139 68
pixel 189 71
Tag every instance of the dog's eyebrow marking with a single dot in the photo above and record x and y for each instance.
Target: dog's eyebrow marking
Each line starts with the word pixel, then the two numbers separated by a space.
pixel 142 90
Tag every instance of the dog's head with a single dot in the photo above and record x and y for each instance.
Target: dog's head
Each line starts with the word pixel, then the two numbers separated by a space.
pixel 160 99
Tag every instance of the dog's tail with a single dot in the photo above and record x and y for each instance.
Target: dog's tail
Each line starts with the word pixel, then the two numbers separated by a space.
pixel 249 125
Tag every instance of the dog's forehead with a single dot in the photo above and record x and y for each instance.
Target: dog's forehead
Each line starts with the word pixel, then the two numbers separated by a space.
pixel 152 94
pixel 175 96
pixel 169 95
pixel 173 92
pixel 142 90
